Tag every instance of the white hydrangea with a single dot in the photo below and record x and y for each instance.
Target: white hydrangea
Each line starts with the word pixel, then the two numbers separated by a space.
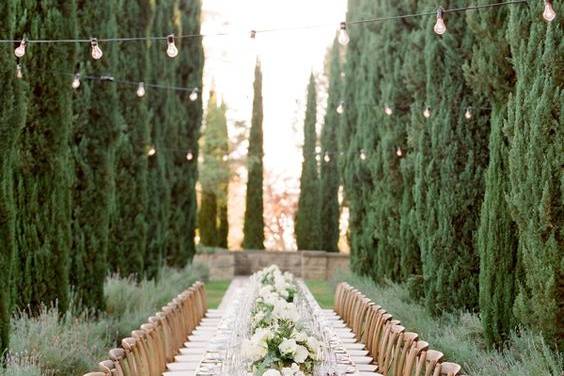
pixel 253 351
pixel 294 370
pixel 288 347
pixel 301 354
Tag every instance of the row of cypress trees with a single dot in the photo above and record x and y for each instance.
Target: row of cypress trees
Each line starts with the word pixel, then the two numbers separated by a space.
pixel 466 208
pixel 79 196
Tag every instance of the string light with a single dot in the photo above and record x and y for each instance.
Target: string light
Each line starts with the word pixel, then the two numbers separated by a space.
pixel 388 110
pixel 468 113
pixel 189 156
pixel 440 27
pixel 362 155
pixel 96 50
pixel 76 81
pixel 548 14
pixel 344 38
pixel 327 158
pixel 152 151
pixel 399 152
pixel 171 49
pixel 427 113
pixel 253 34
pixel 225 157
pixel 341 108
pixel 19 73
pixel 20 50
pixel 141 90
pixel 194 95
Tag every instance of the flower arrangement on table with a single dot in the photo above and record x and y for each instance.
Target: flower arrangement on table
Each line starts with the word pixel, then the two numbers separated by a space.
pixel 279 345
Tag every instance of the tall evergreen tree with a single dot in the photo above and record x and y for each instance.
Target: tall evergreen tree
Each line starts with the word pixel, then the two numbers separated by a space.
pixel 307 216
pixel 253 228
pixel 184 138
pixel 128 235
pixel 12 120
pixel 214 176
pixel 329 172
pixel 97 128
pixel 449 172
pixel 491 75
pixel 534 125
pixel 44 166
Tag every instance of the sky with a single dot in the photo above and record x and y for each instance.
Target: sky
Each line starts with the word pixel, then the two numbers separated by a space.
pixel 287 59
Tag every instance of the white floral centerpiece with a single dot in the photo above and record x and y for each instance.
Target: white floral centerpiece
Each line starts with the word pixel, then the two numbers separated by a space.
pixel 279 345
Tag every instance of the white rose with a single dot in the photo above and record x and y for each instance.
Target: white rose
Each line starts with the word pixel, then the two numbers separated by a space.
pixel 272 372
pixel 253 351
pixel 301 354
pixel 287 347
pixel 299 336
pixel 313 345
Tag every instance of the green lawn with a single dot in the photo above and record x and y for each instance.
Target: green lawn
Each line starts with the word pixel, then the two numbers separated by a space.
pixel 323 292
pixel 215 291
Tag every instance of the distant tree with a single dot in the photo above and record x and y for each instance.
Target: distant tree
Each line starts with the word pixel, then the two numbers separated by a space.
pixel 329 172
pixel 253 228
pixel 307 217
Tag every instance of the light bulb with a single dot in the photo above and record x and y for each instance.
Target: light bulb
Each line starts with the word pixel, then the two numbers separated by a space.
pixel 549 14
pixel 327 158
pixel 341 108
pixel 344 38
pixel 343 74
pixel 318 158
pixel 427 113
pixel 189 156
pixel 19 73
pixel 468 113
pixel 96 50
pixel 388 110
pixel 399 152
pixel 253 34
pixel 171 50
pixel 194 95
pixel 20 50
pixel 152 151
pixel 440 27
pixel 318 149
pixel 363 155
pixel 141 90
pixel 225 157
pixel 76 81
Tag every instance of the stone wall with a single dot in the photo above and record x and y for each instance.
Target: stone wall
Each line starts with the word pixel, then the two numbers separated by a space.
pixel 318 265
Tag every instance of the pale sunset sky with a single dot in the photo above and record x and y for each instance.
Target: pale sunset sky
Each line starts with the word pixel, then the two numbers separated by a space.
pixel 287 59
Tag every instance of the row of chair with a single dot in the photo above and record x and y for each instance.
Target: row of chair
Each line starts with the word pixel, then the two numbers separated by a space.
pixel 394 350
pixel 155 343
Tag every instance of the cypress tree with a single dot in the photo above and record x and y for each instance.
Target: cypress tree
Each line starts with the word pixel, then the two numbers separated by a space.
pixel 307 216
pixel 449 181
pixel 163 108
pixel 214 177
pixel 44 172
pixel 97 128
pixel 329 173
pixel 491 75
pixel 128 235
pixel 12 119
pixel 534 124
pixel 184 140
pixel 253 228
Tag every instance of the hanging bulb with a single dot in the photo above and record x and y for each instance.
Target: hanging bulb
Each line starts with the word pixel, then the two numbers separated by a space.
pixel 194 95
pixel 343 74
pixel 549 14
pixel 427 113
pixel 253 34
pixel 341 108
pixel 76 81
pixel 344 38
pixel 399 152
pixel 468 113
pixel 327 158
pixel 19 73
pixel 318 149
pixel 141 90
pixel 225 157
pixel 189 156
pixel 20 50
pixel 152 151
pixel 171 50
pixel 440 27
pixel 363 155
pixel 388 110
pixel 96 50
pixel 318 158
